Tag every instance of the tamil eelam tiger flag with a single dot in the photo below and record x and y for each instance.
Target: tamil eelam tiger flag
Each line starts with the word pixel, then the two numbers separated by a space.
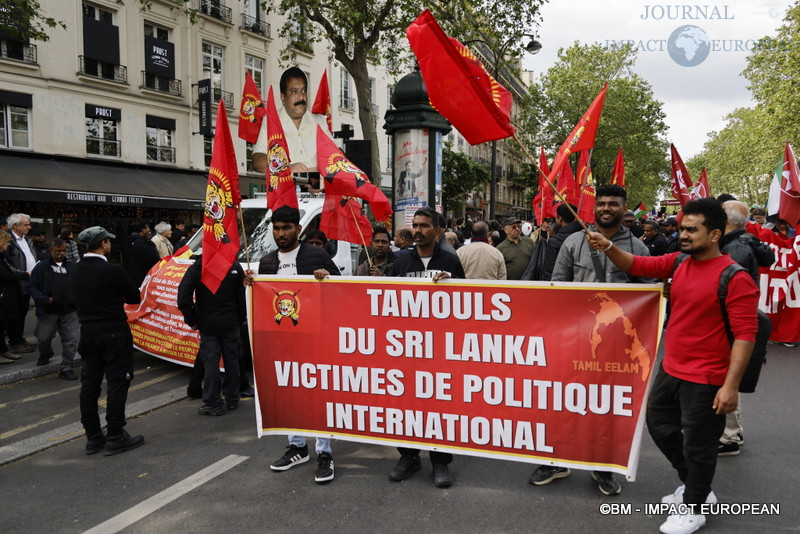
pixel 784 193
pixel 342 177
pixel 681 181
pixel 582 136
pixel 618 173
pixel 567 186
pixel 342 220
pixel 220 228
pixel 701 188
pixel 251 111
pixel 280 183
pixel 458 85
pixel 543 203
pixel 586 199
pixel 322 102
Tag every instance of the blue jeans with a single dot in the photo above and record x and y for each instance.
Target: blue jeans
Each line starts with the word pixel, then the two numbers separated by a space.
pixel 323 444
pixel 229 345
pixel 66 325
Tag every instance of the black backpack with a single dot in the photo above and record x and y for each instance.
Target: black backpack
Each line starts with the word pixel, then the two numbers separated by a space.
pixel 759 356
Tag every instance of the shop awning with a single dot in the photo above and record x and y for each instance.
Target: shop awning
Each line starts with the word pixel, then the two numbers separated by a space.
pixel 37 178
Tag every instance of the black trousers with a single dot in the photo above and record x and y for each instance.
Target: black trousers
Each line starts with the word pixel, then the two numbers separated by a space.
pixel 211 346
pixel 245 365
pixel 16 324
pixel 436 456
pixel 109 354
pixel 685 428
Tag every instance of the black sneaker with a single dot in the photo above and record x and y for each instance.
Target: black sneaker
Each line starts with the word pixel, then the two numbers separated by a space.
pixel 247 392
pixel 194 393
pixel 95 443
pixel 67 374
pixel 606 482
pixel 324 468
pixel 43 360
pixel 123 442
pixel 208 409
pixel 294 455
pixel 728 449
pixel 441 476
pixel 407 466
pixel 545 474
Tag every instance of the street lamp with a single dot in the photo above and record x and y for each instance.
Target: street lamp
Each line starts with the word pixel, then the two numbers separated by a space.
pixel 533 47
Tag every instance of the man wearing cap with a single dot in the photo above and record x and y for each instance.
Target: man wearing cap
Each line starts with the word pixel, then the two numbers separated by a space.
pixel 671 235
pixel 516 251
pixel 101 290
pixel 629 221
pixel 37 238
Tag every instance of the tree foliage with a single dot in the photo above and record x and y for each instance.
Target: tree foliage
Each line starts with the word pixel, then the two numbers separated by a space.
pixel 23 20
pixel 460 175
pixel 741 158
pixel 632 118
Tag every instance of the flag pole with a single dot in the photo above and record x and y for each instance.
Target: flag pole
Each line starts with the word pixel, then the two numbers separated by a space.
pixel 363 241
pixel 588 166
pixel 546 179
pixel 244 235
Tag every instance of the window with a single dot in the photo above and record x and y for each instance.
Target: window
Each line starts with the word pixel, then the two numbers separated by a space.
pixel 98 13
pixel 346 101
pixel 100 57
pixel 159 61
pixel 252 18
pixel 102 137
pixel 298 32
pixel 255 67
pixel 159 139
pixel 373 97
pixel 151 30
pixel 14 126
pixel 213 65
pixel 389 94
pixel 208 148
pixel 249 157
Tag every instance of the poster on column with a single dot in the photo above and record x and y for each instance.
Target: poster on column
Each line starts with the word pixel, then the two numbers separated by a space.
pixel 533 372
pixel 411 169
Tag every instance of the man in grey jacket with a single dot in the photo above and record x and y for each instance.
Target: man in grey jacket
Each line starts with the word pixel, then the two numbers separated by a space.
pixel 578 262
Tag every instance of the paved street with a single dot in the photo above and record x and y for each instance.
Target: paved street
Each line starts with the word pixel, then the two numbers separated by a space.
pixel 203 474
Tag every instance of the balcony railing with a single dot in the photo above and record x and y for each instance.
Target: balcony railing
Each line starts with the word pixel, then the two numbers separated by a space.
pixel 18 51
pixel 347 103
pixel 103 147
pixel 102 70
pixel 216 9
pixel 254 25
pixel 225 96
pixel 162 154
pixel 161 84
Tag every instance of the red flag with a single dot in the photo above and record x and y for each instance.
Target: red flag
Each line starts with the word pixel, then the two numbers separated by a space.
pixel 618 174
pixel 342 219
pixel 701 188
pixel 458 85
pixel 586 201
pixel 343 178
pixel 251 111
pixel 220 229
pixel 322 103
pixel 789 209
pixel 280 184
pixel 582 136
pixel 543 202
pixel 567 186
pixel 681 181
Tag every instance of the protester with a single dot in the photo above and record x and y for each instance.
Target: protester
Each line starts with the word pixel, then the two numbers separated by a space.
pixel 55 308
pixel 177 234
pixel 141 252
pixel 382 263
pixel 670 228
pixel 161 239
pixel 577 262
pixel 10 294
pixel 101 290
pixel 630 222
pixel 652 238
pixel 37 236
pixel 317 238
pixel 479 259
pixel 697 384
pixel 218 317
pixel 516 250
pixel 404 239
pixel 290 259
pixel 427 260
pixel 22 256
pixel 73 255
pixel 544 255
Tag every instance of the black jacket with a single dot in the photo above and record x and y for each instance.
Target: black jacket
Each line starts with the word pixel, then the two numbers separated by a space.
pixel 544 255
pixel 309 259
pixel 747 250
pixel 657 245
pixel 218 312
pixel 10 280
pixel 101 290
pixel 141 255
pixel 16 257
pixel 45 283
pixel 410 265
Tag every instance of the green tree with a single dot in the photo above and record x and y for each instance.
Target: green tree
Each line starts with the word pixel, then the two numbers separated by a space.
pixel 23 20
pixel 632 118
pixel 460 175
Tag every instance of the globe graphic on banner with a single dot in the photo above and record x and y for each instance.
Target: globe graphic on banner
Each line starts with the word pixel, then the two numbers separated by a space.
pixel 688 46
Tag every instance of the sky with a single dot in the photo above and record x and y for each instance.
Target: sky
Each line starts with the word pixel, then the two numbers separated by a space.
pixel 695 98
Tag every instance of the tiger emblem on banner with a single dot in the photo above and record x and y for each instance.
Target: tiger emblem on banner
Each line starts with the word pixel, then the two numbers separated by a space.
pixel 218 200
pixel 249 105
pixel 338 163
pixel 286 305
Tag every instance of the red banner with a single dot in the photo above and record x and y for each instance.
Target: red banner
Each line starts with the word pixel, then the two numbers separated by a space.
pixel 461 367
pixel 157 323
pixel 780 285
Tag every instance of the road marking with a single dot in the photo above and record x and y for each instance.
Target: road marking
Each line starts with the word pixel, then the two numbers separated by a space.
pixel 21 429
pixel 103 402
pixel 147 507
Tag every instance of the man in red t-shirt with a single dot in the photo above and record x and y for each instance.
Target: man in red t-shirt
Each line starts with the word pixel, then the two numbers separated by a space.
pixel 698 382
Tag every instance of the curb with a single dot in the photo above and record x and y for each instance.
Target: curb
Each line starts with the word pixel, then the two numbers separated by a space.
pixel 35 371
